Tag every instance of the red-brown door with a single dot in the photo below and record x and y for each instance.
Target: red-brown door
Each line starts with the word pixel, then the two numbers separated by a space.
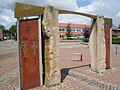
pixel 29 54
pixel 107 38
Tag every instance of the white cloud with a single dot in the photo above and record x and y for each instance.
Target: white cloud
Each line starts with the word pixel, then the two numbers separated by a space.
pixel 77 19
pixel 64 4
pixel 7 8
pixel 7 17
pixel 108 8
pixel 118 14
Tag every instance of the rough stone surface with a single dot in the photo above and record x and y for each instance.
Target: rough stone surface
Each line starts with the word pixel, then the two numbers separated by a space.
pixel 97 46
pixel 52 46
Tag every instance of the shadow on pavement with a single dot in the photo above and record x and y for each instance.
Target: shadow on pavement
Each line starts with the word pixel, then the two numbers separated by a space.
pixel 65 71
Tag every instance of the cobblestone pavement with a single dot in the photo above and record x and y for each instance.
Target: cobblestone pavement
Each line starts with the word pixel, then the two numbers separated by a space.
pixel 110 79
pixel 76 75
pixel 8 65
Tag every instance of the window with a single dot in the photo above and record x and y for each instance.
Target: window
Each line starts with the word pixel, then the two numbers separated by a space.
pixel 62 29
pixel 73 30
pixel 80 30
pixel 62 36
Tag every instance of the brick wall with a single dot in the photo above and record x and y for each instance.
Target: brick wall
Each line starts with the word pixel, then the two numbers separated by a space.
pixel 1 34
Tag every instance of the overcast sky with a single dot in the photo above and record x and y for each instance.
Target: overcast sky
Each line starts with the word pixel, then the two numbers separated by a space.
pixel 108 8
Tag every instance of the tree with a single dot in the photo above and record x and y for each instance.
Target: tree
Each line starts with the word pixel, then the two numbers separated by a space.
pixel 87 32
pixel 68 33
pixel 13 28
pixel 119 26
pixel 2 27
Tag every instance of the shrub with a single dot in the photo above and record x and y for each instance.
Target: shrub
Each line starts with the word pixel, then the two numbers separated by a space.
pixel 115 40
pixel 76 38
pixel 15 37
pixel 72 39
pixel 85 39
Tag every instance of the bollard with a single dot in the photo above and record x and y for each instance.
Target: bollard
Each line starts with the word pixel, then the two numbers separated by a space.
pixel 116 50
pixel 81 57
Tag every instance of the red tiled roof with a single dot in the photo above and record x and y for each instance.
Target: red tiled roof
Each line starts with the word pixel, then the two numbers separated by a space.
pixel 77 33
pixel 115 28
pixel 74 25
pixel 62 33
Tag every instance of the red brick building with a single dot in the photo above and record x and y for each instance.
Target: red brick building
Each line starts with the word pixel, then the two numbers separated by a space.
pixel 76 29
pixel 1 34
pixel 6 34
pixel 115 32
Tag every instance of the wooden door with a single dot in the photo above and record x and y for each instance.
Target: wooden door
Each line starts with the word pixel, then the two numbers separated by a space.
pixel 29 54
pixel 107 38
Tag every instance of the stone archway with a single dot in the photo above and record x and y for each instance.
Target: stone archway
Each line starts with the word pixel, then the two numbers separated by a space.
pixel 51 39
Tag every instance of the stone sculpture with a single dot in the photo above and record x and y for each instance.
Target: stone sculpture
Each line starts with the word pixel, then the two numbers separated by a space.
pixel 52 46
pixel 97 46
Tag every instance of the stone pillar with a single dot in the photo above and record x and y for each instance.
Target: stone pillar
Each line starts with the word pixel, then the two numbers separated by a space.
pixel 97 46
pixel 52 46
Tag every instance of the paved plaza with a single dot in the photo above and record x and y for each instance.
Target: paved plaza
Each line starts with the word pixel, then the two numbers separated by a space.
pixel 76 74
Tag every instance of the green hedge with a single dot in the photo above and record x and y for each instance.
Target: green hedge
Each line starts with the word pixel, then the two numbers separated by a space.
pixel 115 40
pixel 85 39
pixel 73 39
